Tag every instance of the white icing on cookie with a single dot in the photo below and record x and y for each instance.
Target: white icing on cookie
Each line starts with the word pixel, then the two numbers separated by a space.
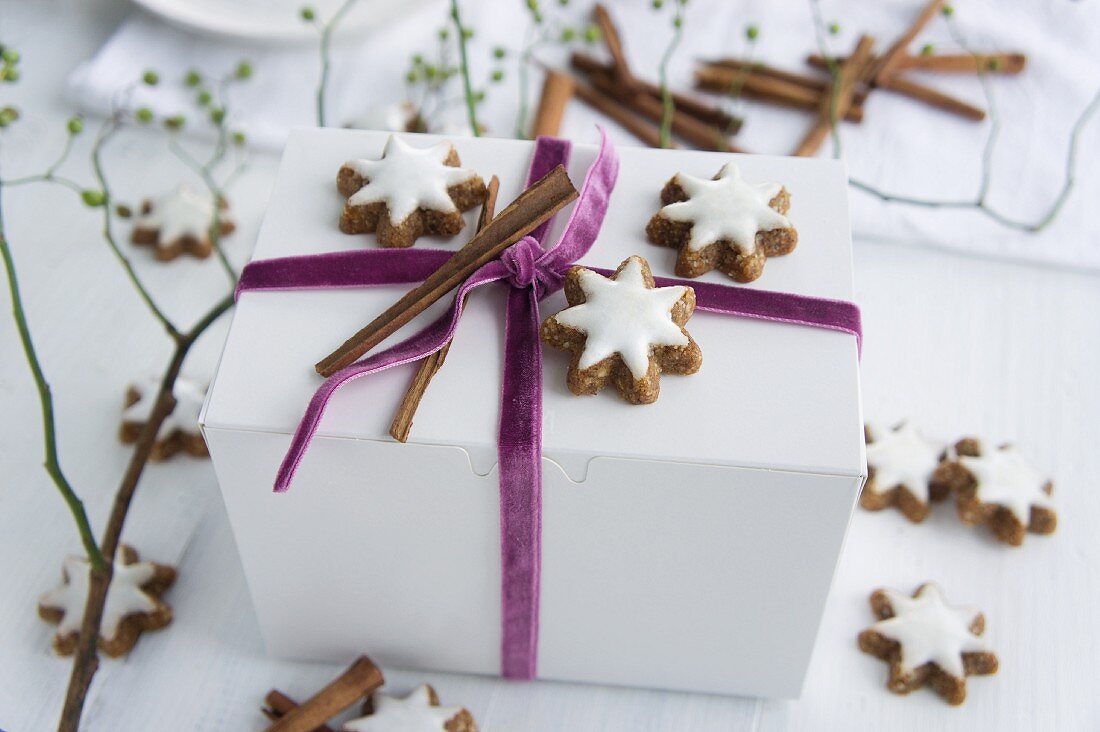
pixel 408 178
pixel 905 457
pixel 184 212
pixel 124 596
pixel 726 208
pixel 1006 479
pixel 624 316
pixel 185 417
pixel 414 713
pixel 929 629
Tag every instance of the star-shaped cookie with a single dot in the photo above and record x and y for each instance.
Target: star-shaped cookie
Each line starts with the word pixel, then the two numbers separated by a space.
pixel 179 222
pixel 408 193
pixel 723 223
pixel 133 603
pixel 418 712
pixel 180 430
pixel 926 641
pixel 901 465
pixel 1001 489
pixel 624 330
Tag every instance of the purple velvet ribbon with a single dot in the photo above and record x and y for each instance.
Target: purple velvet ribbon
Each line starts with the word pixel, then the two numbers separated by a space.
pixel 533 272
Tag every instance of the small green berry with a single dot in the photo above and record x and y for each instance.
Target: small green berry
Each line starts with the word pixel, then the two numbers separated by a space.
pixel 479 97
pixel 752 32
pixel 175 122
pixel 533 5
pixel 93 198
pixel 677 22
pixel 444 34
pixel 239 138
pixel 203 98
pixel 192 78
pixel 217 115
pixel 948 10
pixel 568 34
pixel 9 55
pixel 499 52
pixel 497 76
pixel 412 77
pixel 8 115
pixel 591 34
pixel 9 74
pixel 123 211
pixel 563 3
pixel 467 33
pixel 307 13
pixel 75 125
pixel 834 29
pixel 658 4
pixel 418 59
pixel 244 70
pixel 993 64
pixel 144 114
pixel 151 78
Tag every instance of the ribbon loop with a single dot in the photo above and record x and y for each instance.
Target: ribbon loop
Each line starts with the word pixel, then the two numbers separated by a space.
pixel 525 262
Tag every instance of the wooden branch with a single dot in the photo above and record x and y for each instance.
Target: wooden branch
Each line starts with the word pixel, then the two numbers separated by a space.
pixel 86 657
pixel 755 68
pixel 279 704
pixel 684 126
pixel 359 680
pixel 535 205
pixel 620 69
pixel 610 107
pixel 934 98
pixel 888 65
pixel 701 110
pixel 557 90
pixel 770 89
pixel 838 100
pixel 430 365
pixel 951 63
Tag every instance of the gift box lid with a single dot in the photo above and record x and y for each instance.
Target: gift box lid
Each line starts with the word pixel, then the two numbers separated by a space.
pixel 769 395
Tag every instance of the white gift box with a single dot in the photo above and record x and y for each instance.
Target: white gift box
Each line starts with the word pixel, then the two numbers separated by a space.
pixel 688 544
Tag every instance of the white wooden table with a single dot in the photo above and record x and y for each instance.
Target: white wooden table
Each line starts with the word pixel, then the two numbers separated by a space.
pixel 964 346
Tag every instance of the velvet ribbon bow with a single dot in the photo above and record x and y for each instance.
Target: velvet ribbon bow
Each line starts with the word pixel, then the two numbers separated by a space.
pixel 533 272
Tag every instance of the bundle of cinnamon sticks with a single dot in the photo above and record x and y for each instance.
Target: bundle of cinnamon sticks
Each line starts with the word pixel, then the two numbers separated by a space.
pixel 635 104
pixel 842 94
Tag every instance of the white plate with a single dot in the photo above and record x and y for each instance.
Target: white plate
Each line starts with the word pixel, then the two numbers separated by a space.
pixel 271 20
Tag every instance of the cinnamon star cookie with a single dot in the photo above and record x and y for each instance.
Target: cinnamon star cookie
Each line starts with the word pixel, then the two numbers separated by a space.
pixel 624 330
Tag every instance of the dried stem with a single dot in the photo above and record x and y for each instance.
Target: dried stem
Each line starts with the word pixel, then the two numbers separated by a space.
pixel 467 87
pixel 86 659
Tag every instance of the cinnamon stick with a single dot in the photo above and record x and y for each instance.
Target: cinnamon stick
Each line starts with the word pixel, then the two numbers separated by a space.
pixel 930 96
pixel 619 66
pixel 699 134
pixel 610 107
pixel 279 704
pixel 951 63
pixel 535 205
pixel 360 679
pixel 771 89
pixel 701 110
pixel 430 365
pixel 756 68
pixel 557 90
pixel 890 61
pixel 836 102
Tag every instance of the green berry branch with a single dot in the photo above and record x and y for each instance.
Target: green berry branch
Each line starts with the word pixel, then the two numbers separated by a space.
pixel 463 34
pixel 99 196
pixel 667 102
pixel 308 14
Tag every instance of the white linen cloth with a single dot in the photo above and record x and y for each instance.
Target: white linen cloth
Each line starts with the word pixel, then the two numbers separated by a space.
pixel 901 147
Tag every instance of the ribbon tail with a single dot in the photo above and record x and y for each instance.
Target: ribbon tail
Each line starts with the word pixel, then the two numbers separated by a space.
pixel 423 343
pixel 520 456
